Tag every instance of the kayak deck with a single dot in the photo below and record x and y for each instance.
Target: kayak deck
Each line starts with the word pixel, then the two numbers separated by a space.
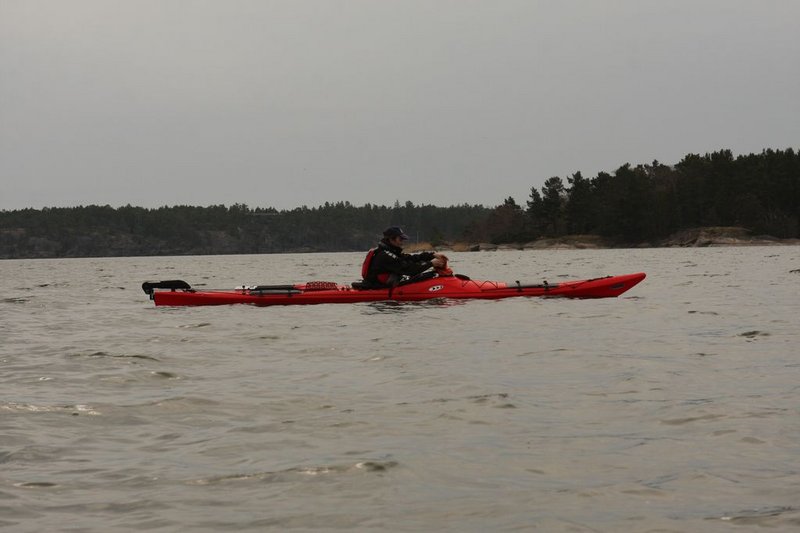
pixel 180 293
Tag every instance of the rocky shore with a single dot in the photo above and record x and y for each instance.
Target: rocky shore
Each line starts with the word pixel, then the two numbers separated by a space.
pixel 723 236
pixel 692 238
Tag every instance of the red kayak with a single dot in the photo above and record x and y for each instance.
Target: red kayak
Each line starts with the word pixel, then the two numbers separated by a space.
pixel 178 292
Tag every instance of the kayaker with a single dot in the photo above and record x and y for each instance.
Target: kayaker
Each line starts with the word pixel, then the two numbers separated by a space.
pixel 386 264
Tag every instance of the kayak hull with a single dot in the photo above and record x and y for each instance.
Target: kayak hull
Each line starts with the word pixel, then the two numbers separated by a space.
pixel 451 287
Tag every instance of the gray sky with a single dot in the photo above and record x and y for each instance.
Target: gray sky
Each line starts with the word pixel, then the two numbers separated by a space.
pixel 286 103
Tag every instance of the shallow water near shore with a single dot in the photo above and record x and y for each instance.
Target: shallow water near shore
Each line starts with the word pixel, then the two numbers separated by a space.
pixel 672 408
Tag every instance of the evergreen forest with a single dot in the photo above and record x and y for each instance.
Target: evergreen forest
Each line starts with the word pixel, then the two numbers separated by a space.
pixel 633 205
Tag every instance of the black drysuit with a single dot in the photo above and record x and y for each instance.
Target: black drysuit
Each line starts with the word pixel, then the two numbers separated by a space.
pixel 389 264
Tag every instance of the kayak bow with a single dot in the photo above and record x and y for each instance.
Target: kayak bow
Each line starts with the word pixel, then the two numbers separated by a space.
pixel 180 293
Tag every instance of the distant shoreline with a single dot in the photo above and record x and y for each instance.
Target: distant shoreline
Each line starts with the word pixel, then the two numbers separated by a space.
pixel 693 238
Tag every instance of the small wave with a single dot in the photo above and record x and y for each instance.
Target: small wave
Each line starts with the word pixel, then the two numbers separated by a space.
pixel 493 398
pixel 31 408
pixel 752 440
pixel 497 400
pixel 697 401
pixel 753 334
pixel 36 485
pixel 176 404
pixel 292 474
pixel 764 516
pixel 118 356
pixel 689 420
pixel 376 466
pixel 165 375
pixel 17 300
pixel 766 412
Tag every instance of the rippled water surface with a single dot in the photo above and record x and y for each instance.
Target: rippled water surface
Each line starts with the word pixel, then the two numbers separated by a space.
pixel 675 407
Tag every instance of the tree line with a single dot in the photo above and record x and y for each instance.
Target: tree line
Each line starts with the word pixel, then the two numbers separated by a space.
pixel 632 205
pixel 91 231
pixel 760 192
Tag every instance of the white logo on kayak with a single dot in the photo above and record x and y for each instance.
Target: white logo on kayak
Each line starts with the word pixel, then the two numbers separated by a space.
pixel 436 288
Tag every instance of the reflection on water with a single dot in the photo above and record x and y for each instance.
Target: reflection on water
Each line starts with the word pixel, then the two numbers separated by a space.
pixel 671 408
pixel 404 307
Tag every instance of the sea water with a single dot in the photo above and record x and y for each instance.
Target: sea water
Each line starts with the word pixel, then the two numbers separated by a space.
pixel 675 407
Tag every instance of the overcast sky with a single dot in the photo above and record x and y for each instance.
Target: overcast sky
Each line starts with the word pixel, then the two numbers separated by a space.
pixel 299 102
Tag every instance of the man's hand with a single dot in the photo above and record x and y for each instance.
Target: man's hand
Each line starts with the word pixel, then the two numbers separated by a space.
pixel 438 261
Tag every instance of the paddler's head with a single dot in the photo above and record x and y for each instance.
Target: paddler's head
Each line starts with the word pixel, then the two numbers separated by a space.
pixel 395 236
